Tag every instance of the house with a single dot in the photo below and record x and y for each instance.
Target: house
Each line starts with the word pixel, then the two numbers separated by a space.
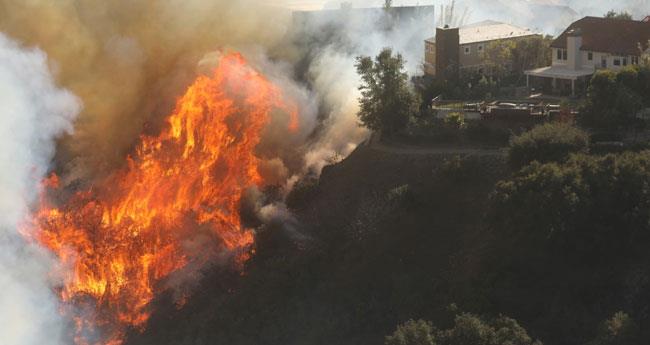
pixel 548 16
pixel 589 44
pixel 455 50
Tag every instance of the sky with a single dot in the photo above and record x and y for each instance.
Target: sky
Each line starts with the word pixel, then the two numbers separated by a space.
pixel 584 7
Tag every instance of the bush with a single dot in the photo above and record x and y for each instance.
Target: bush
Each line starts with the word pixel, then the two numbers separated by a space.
pixel 455 121
pixel 418 332
pixel 615 98
pixel 551 142
pixel 590 207
pixel 619 330
pixel 468 329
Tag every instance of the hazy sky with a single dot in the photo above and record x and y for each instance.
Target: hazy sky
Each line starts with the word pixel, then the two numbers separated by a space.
pixel 320 4
pixel 584 7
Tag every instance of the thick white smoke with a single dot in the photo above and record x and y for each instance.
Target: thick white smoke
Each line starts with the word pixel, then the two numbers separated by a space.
pixel 333 76
pixel 33 112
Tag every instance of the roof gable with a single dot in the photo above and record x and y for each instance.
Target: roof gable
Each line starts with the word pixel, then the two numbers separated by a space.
pixel 488 30
pixel 614 36
pixel 491 30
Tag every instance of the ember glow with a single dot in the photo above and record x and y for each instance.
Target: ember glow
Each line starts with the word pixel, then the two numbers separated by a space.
pixel 121 238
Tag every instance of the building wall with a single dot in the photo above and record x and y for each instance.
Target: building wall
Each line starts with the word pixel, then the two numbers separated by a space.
pixel 429 58
pixel 596 61
pixel 447 49
pixel 606 60
pixel 471 54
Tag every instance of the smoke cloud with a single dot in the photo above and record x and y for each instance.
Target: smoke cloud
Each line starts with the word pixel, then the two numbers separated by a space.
pixel 129 60
pixel 35 112
pixel 335 39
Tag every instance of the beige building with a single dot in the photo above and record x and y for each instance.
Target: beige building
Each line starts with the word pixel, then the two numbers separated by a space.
pixel 589 44
pixel 441 57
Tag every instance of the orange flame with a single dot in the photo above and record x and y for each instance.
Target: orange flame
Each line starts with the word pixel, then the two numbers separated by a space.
pixel 122 238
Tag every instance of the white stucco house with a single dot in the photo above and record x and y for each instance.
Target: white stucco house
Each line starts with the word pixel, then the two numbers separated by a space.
pixel 589 44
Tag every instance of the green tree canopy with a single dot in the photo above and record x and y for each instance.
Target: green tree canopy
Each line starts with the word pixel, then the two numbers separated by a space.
pixel 509 58
pixel 620 329
pixel 468 329
pixel 387 101
pixel 551 142
pixel 412 332
pixel 614 98
pixel 588 208
pixel 618 15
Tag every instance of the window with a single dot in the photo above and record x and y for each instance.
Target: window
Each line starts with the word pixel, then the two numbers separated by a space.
pixel 635 60
pixel 468 50
pixel 559 54
pixel 603 62
pixel 590 56
pixel 565 54
pixel 625 61
pixel 617 61
pixel 480 48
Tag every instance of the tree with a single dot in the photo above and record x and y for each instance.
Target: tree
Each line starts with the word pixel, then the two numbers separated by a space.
pixel 418 332
pixel 387 101
pixel 531 52
pixel 618 15
pixel 614 99
pixel 567 210
pixel 468 329
pixel 508 58
pixel 551 142
pixel 619 330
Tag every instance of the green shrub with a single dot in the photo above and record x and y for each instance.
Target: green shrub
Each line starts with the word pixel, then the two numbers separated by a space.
pixel 468 329
pixel 590 207
pixel 619 330
pixel 418 332
pixel 455 121
pixel 551 142
pixel 615 98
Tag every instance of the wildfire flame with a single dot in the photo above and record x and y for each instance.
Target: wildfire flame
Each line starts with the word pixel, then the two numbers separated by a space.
pixel 120 239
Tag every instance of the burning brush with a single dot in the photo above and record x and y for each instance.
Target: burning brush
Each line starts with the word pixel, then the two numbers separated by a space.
pixel 121 238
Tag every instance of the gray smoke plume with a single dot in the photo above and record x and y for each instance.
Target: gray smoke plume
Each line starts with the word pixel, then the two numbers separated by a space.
pixel 34 113
pixel 334 39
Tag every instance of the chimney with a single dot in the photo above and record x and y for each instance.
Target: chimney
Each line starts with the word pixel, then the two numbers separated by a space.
pixel 447 52
pixel 574 54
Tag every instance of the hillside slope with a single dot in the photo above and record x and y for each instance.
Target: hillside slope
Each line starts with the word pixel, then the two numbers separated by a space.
pixel 375 244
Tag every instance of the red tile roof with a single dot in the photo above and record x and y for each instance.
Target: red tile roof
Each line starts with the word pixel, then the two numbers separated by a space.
pixel 605 35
